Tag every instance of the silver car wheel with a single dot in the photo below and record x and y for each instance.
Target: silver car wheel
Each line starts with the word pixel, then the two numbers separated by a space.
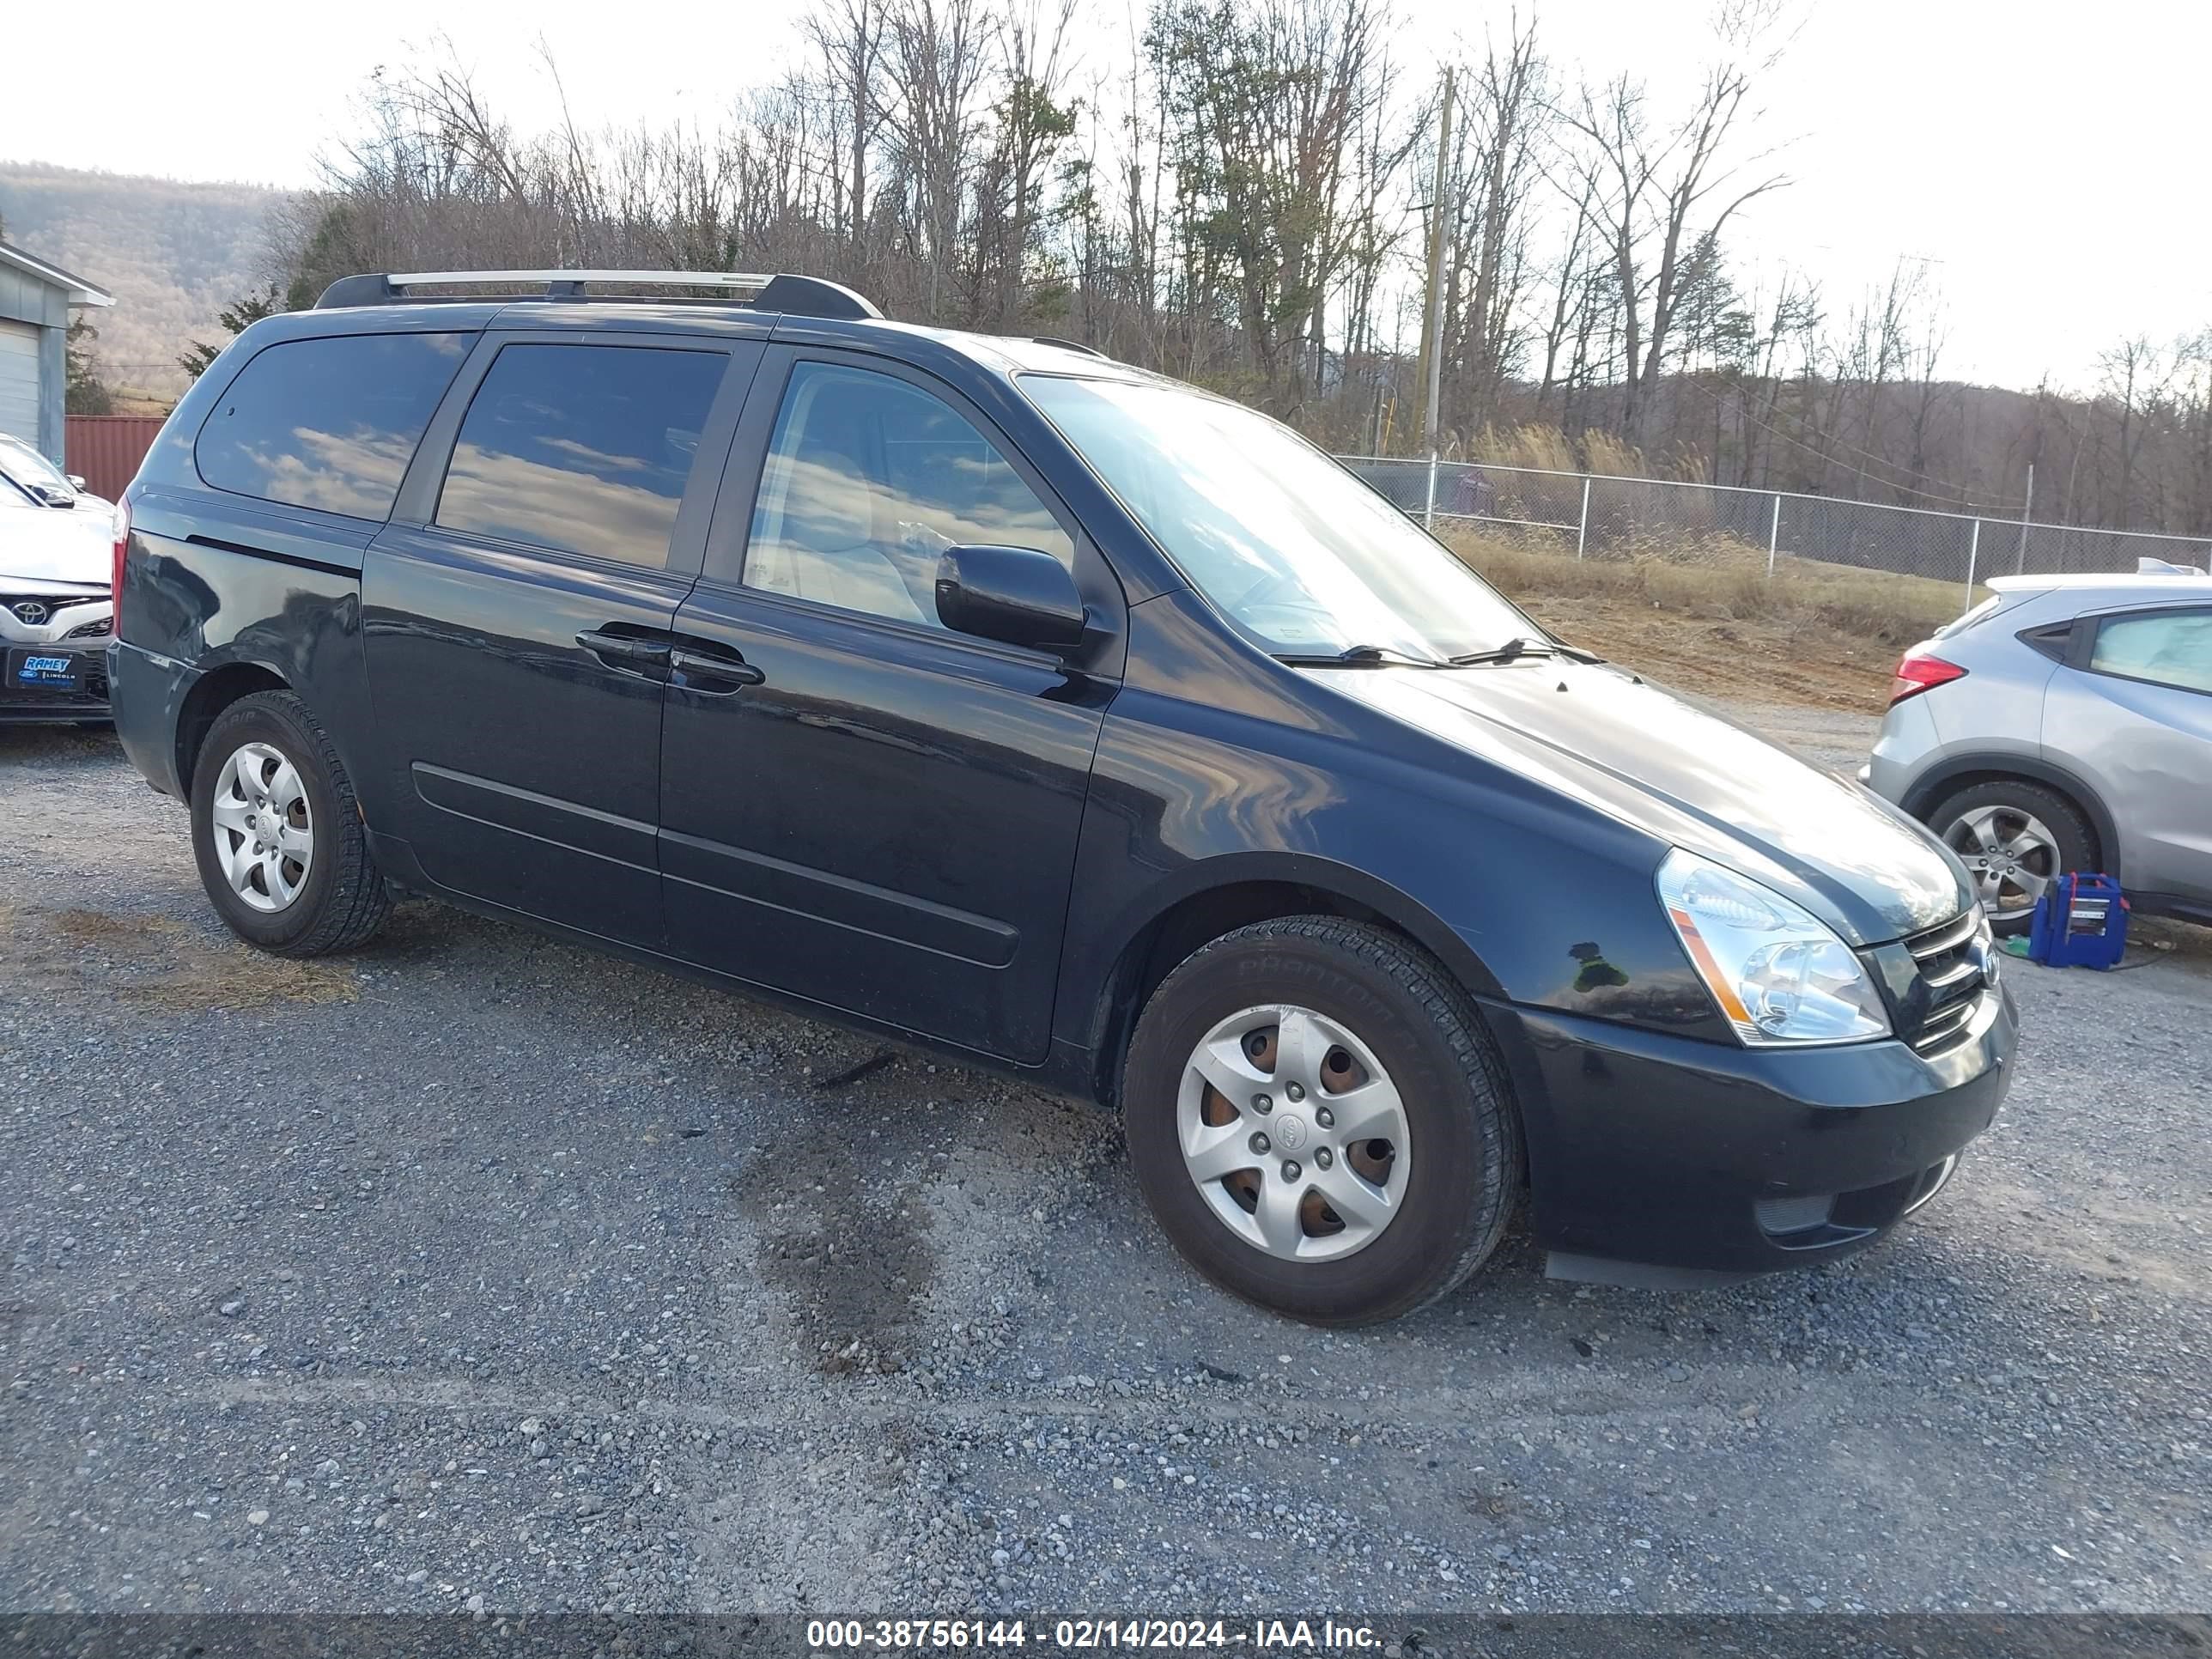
pixel 264 832
pixel 2011 855
pixel 1293 1134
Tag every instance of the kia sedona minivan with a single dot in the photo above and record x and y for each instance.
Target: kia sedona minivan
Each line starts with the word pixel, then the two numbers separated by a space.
pixel 1014 702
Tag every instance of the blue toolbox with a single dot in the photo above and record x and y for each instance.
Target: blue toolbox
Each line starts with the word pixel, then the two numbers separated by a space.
pixel 2080 922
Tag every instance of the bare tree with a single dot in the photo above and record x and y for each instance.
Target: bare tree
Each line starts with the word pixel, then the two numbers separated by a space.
pixel 1659 192
pixel 848 35
pixel 2134 379
pixel 1507 118
pixel 935 67
pixel 1032 123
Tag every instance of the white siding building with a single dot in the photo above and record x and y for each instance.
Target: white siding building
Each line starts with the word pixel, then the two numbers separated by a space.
pixel 35 300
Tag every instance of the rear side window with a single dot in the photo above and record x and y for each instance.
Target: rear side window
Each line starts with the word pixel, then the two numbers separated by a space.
pixel 328 423
pixel 581 449
pixel 2173 648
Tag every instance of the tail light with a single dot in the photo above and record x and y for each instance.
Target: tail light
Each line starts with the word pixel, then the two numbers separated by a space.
pixel 1917 674
pixel 115 568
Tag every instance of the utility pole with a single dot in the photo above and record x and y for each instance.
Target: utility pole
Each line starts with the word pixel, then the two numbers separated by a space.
pixel 1432 320
pixel 2027 509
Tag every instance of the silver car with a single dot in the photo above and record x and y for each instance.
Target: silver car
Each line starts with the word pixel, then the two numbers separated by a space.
pixel 2062 724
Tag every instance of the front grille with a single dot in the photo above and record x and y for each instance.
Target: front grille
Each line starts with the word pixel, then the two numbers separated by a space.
pixel 94 629
pixel 1951 979
pixel 43 608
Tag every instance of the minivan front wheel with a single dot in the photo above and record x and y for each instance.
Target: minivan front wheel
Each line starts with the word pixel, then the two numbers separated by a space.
pixel 1318 1120
pixel 277 835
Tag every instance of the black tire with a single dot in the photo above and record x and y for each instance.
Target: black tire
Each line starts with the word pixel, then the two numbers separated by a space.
pixel 1465 1175
pixel 2074 842
pixel 344 900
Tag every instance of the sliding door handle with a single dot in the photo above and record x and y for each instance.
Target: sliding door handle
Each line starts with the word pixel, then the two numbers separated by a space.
pixel 713 674
pixel 621 650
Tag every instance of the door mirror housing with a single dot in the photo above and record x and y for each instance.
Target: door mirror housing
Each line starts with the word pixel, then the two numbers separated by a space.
pixel 1016 595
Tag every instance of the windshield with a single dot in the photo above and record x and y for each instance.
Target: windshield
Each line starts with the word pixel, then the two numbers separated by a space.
pixel 22 464
pixel 1293 548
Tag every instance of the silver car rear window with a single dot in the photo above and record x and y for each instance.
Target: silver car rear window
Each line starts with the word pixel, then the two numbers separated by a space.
pixel 1958 623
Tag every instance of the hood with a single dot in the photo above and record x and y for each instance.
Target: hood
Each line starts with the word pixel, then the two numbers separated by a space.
pixel 68 544
pixel 1688 778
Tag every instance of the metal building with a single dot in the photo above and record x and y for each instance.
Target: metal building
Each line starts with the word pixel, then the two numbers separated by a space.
pixel 35 300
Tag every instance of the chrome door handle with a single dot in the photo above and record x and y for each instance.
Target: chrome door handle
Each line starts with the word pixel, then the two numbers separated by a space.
pixel 714 675
pixel 623 647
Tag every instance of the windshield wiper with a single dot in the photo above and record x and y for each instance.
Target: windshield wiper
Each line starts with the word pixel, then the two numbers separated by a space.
pixel 1360 656
pixel 1523 645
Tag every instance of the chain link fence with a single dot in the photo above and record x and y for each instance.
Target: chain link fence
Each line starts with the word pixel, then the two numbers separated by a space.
pixel 1587 516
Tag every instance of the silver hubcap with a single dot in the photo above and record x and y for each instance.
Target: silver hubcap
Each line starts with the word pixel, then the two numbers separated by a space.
pixel 1294 1133
pixel 2011 855
pixel 264 836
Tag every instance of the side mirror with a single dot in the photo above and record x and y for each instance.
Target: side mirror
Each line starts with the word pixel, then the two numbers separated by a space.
pixel 76 481
pixel 1016 595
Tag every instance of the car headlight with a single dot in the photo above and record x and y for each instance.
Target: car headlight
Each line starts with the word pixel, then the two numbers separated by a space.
pixel 1779 974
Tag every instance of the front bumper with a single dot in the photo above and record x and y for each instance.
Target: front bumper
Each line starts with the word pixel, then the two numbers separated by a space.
pixel 24 700
pixel 1658 1159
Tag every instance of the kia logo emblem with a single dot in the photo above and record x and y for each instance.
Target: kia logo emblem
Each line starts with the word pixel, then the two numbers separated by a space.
pixel 31 613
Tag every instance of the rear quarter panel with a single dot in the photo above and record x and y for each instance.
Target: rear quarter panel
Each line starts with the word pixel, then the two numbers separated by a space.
pixel 210 586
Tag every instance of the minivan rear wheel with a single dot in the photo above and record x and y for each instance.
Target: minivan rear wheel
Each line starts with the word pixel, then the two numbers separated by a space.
pixel 1319 1122
pixel 277 833
pixel 2015 838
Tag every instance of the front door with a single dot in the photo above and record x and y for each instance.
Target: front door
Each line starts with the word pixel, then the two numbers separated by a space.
pixel 857 806
pixel 516 622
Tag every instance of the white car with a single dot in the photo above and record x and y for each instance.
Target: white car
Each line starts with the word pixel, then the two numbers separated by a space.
pixel 56 545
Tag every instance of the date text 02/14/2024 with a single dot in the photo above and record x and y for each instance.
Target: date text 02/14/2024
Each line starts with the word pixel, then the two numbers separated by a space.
pixel 882 1635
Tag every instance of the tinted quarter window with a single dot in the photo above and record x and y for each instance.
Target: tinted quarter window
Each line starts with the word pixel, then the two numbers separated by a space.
pixel 869 479
pixel 586 449
pixel 328 423
pixel 2172 649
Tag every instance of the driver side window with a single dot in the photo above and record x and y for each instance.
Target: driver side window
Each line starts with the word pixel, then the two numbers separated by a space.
pixel 868 480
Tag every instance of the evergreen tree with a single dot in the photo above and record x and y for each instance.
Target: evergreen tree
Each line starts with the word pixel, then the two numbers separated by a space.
pixel 236 317
pixel 85 392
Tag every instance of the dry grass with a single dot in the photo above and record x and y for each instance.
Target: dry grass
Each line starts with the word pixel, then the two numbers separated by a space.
pixel 155 960
pixel 1549 449
pixel 1718 577
pixel 1701 612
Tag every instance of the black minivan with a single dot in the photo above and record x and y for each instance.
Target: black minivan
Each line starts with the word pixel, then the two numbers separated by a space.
pixel 996 696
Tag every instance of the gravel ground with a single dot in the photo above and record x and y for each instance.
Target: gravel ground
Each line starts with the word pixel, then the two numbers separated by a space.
pixel 478 1271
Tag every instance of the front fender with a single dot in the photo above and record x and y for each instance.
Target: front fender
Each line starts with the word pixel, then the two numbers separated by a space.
pixel 1527 895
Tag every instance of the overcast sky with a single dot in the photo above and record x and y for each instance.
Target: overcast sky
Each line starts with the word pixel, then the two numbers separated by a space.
pixel 2045 158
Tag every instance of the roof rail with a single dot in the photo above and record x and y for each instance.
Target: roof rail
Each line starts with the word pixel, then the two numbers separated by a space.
pixel 1070 345
pixel 799 297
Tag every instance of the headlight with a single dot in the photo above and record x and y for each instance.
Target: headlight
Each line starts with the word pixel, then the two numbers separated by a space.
pixel 1778 974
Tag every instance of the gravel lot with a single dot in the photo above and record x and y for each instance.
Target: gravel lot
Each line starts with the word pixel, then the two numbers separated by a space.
pixel 475 1270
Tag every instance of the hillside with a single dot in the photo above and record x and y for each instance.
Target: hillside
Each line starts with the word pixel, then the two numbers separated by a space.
pixel 172 254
